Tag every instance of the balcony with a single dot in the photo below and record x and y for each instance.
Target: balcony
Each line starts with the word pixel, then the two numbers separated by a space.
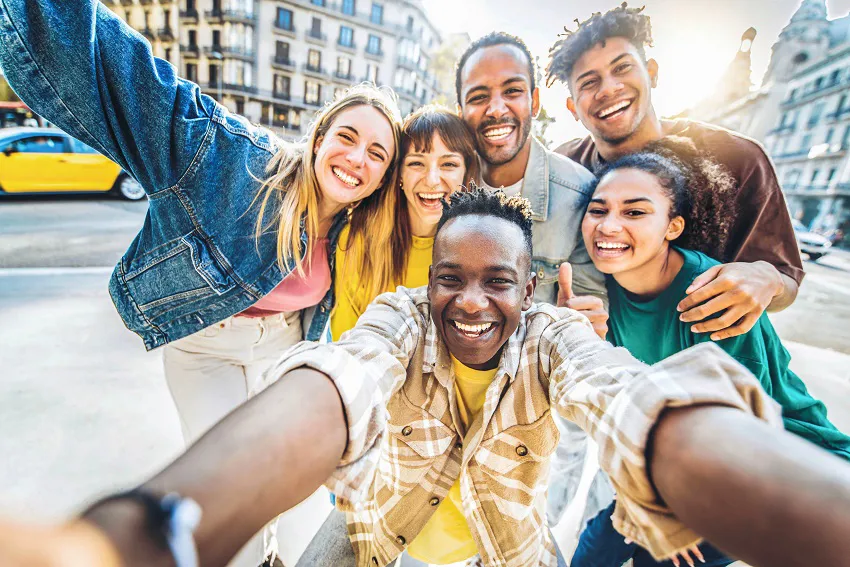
pixel 145 2
pixel 188 16
pixel 343 77
pixel 239 17
pixel 149 34
pixel 315 36
pixel 281 29
pixel 244 53
pixel 312 103
pixel 165 34
pixel 214 16
pixel 286 96
pixel 230 87
pixel 350 47
pixel 784 129
pixel 314 71
pixel 190 50
pixel 407 63
pixel 377 54
pixel 283 63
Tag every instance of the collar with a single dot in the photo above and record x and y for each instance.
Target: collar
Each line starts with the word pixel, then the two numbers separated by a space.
pixel 535 184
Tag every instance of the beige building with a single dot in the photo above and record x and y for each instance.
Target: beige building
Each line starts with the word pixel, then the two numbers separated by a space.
pixel 278 61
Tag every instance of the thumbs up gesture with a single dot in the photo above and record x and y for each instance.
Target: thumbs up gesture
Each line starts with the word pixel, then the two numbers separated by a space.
pixel 588 305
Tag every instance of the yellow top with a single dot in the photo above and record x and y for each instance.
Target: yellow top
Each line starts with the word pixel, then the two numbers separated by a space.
pixel 353 298
pixel 446 538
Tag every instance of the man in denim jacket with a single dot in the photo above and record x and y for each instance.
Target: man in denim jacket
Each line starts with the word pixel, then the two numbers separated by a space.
pixel 498 98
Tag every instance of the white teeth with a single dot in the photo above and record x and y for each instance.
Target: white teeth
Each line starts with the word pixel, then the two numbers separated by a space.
pixel 431 196
pixel 499 132
pixel 477 329
pixel 612 109
pixel 612 245
pixel 345 178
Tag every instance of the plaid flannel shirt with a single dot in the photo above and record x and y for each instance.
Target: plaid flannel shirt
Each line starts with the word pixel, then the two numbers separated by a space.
pixel 404 449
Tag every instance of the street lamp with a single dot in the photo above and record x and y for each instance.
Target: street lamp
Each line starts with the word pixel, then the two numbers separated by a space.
pixel 220 57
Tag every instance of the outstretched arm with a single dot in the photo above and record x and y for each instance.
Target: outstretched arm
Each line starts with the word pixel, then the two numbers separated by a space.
pixel 263 458
pixel 761 494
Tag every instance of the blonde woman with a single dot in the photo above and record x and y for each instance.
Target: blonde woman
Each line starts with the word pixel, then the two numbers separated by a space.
pixel 233 262
pixel 437 158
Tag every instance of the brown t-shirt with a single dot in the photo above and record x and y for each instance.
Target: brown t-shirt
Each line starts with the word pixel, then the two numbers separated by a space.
pixel 762 228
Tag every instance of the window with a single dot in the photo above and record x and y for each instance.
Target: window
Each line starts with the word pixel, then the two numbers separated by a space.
pixel 829 134
pixel 192 72
pixel 193 39
pixel 793 94
pixel 80 148
pixel 282 85
pixel 318 2
pixel 316 27
pixel 240 106
pixel 167 55
pixel 343 66
pixel 377 15
pixel 40 145
pixel 312 93
pixel 346 36
pixel 281 51
pixel 314 59
pixel 166 19
pixel 374 45
pixel 214 75
pixel 814 117
pixel 841 102
pixel 284 19
pixel 348 7
pixel 410 23
pixel 190 5
pixel 833 78
pixel 806 143
pixel 814 176
pixel 372 73
pixel 216 40
pixel 831 175
pixel 845 139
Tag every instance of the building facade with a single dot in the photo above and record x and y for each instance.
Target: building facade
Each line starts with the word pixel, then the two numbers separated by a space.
pixel 278 61
pixel 800 112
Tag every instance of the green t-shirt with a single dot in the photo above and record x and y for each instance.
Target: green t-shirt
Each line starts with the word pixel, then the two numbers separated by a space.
pixel 651 331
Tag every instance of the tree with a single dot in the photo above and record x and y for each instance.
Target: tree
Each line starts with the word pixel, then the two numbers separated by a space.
pixel 541 124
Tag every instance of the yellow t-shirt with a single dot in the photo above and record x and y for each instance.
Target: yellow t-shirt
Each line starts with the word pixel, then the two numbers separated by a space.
pixel 352 298
pixel 446 538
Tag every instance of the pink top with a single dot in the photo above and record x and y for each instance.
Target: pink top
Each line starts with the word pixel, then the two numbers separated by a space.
pixel 297 292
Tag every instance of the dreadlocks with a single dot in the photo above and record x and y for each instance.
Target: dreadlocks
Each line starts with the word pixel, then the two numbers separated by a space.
pixel 479 201
pixel 629 23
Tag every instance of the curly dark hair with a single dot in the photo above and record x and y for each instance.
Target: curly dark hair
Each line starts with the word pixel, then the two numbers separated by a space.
pixel 490 40
pixel 479 201
pixel 621 21
pixel 700 189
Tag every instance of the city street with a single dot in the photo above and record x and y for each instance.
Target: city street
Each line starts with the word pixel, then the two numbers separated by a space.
pixel 84 409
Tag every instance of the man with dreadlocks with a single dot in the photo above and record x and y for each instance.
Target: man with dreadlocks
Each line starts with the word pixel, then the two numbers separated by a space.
pixel 610 79
pixel 431 421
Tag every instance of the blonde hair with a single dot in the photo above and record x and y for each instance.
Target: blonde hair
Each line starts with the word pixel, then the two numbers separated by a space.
pixel 291 194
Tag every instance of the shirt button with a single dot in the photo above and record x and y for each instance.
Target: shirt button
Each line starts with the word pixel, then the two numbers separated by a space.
pixel 540 273
pixel 434 501
pixel 522 450
pixel 400 540
pixel 375 560
pixel 459 445
pixel 407 430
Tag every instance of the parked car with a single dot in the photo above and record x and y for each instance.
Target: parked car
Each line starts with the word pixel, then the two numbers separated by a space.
pixel 811 244
pixel 47 160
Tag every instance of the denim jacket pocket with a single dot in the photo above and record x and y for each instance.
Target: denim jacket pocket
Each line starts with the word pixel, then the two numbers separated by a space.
pixel 516 462
pixel 546 270
pixel 414 441
pixel 162 298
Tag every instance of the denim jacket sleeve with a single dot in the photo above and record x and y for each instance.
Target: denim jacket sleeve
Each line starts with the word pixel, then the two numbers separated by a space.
pixel 78 65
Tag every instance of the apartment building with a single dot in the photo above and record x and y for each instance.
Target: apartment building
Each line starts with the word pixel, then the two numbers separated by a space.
pixel 278 61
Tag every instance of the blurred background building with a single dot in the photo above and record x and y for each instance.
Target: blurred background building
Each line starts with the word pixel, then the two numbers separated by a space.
pixel 278 61
pixel 800 113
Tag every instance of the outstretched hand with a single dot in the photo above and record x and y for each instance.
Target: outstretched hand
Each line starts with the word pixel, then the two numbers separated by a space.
pixel 588 305
pixel 76 544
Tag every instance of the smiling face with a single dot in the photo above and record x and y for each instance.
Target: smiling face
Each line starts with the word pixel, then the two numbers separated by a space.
pixel 477 299
pixel 497 102
pixel 352 157
pixel 610 86
pixel 427 177
pixel 627 225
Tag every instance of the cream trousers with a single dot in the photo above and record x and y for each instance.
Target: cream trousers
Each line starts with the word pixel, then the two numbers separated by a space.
pixel 209 374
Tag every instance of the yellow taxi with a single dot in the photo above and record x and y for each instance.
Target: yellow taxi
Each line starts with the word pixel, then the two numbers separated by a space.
pixel 47 160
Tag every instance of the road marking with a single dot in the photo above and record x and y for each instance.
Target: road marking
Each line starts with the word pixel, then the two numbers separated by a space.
pixel 46 272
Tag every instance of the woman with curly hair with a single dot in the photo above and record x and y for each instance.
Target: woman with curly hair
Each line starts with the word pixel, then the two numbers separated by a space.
pixel 655 221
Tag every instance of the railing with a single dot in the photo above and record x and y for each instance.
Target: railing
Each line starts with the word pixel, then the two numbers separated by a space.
pixel 310 69
pixel 312 35
pixel 189 15
pixel 165 34
pixel 190 50
pixel 344 76
pixel 283 62
pixel 374 53
pixel 351 46
pixel 282 28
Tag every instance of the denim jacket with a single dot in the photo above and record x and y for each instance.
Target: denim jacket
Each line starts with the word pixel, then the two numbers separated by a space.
pixel 196 260
pixel 557 189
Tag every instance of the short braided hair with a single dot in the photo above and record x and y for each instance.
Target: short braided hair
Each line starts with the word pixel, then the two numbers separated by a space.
pixel 479 201
pixel 493 39
pixel 622 21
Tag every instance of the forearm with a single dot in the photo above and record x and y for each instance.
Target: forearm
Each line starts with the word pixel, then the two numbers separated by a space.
pixel 785 297
pixel 759 493
pixel 262 459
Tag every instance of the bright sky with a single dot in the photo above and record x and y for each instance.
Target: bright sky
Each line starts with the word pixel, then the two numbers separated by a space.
pixel 694 39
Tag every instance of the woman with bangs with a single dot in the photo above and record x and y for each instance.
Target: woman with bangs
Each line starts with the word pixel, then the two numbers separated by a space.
pixel 438 157
pixel 655 222
pixel 234 262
